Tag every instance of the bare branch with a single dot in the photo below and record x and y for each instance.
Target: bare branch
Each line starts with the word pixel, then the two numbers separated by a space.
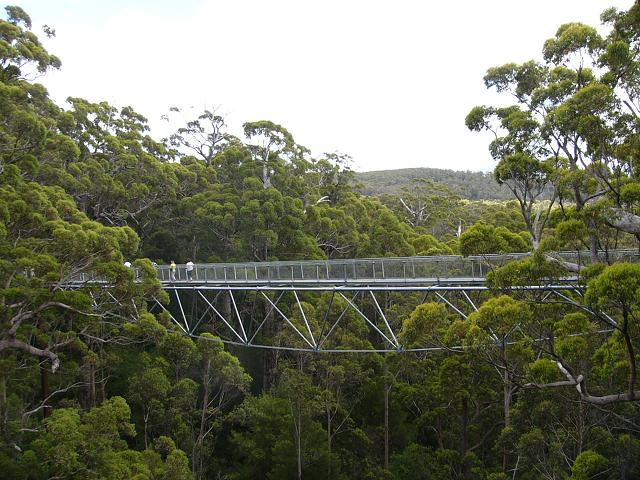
pixel 30 349
pixel 580 384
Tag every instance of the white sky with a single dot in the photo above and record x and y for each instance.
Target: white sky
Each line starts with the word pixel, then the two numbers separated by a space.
pixel 388 83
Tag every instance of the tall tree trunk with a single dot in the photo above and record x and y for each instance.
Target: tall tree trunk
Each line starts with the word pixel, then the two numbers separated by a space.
pixel 581 426
pixel 3 402
pixel 194 253
pixel 465 425
pixel 507 419
pixel 146 422
pixel 266 178
pixel 507 401
pixel 299 441
pixel 226 307
pixel 386 415
pixel 44 382
pixel 329 445
pixel 506 392
pixel 536 243
pixel 633 375
pixel 92 384
pixel 103 386
pixel 270 359
pixel 203 420
pixel 593 247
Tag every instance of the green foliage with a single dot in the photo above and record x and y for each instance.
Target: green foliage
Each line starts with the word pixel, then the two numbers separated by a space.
pixel 571 233
pixel 20 48
pixel 424 326
pixel 417 462
pixel 468 185
pixel 265 437
pixel 589 465
pixel 501 315
pixel 570 131
pixel 93 384
pixel 335 230
pixel 425 205
pixel 544 371
pixel 429 245
pixel 92 445
pixel 618 286
pixel 535 269
pixel 482 239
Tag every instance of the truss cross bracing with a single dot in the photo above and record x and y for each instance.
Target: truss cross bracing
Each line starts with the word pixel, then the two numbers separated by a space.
pixel 341 306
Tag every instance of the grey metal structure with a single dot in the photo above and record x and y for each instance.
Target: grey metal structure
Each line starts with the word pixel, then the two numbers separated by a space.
pixel 386 271
pixel 313 305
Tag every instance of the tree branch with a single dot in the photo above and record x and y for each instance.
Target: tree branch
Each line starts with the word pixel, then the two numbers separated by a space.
pixel 580 384
pixel 623 220
pixel 31 350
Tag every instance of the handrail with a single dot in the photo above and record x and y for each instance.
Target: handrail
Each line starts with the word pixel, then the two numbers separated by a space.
pixel 433 269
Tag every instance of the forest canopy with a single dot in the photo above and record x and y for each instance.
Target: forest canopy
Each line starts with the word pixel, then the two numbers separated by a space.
pixel 528 384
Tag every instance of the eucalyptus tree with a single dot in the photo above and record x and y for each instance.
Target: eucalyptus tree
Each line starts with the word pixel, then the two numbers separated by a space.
pixel 148 389
pixel 482 238
pixel 93 444
pixel 335 231
pixel 579 111
pixel 211 221
pixel 279 435
pixel 615 292
pixel 121 174
pixel 224 382
pixel 331 177
pixel 451 391
pixel 270 225
pixel 427 244
pixel 382 233
pixel 576 113
pixel 22 53
pixel 203 136
pixel 268 141
pixel 47 243
pixel 427 204
pixel 28 116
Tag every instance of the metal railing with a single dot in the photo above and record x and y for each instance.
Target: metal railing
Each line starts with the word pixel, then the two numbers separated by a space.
pixel 386 270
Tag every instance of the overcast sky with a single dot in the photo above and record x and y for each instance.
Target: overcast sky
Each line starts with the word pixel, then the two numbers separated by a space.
pixel 387 82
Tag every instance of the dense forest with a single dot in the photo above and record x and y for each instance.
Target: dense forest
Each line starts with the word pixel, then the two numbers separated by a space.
pixel 95 384
pixel 469 185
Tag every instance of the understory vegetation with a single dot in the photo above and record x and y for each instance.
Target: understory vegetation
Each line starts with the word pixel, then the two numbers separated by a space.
pixel 94 383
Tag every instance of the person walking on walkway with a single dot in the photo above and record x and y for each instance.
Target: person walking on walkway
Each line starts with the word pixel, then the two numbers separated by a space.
pixel 190 265
pixel 172 271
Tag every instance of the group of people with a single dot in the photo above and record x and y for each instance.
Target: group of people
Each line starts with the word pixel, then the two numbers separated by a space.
pixel 173 268
pixel 189 267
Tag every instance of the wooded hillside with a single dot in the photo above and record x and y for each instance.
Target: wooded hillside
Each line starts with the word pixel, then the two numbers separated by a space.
pixel 468 185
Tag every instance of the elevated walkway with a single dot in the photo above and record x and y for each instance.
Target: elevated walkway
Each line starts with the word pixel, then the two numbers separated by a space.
pixel 386 273
pixel 261 304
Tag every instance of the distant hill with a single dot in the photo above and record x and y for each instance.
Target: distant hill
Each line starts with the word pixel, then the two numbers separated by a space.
pixel 469 185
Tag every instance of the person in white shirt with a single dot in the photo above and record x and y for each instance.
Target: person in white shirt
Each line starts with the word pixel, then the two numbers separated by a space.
pixel 190 265
pixel 172 270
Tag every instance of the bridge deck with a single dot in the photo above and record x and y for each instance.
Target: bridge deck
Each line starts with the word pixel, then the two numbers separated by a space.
pixel 387 271
pixel 378 273
pixel 206 296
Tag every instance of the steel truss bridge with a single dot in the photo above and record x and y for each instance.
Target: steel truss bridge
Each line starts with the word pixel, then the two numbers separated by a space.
pixel 310 306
